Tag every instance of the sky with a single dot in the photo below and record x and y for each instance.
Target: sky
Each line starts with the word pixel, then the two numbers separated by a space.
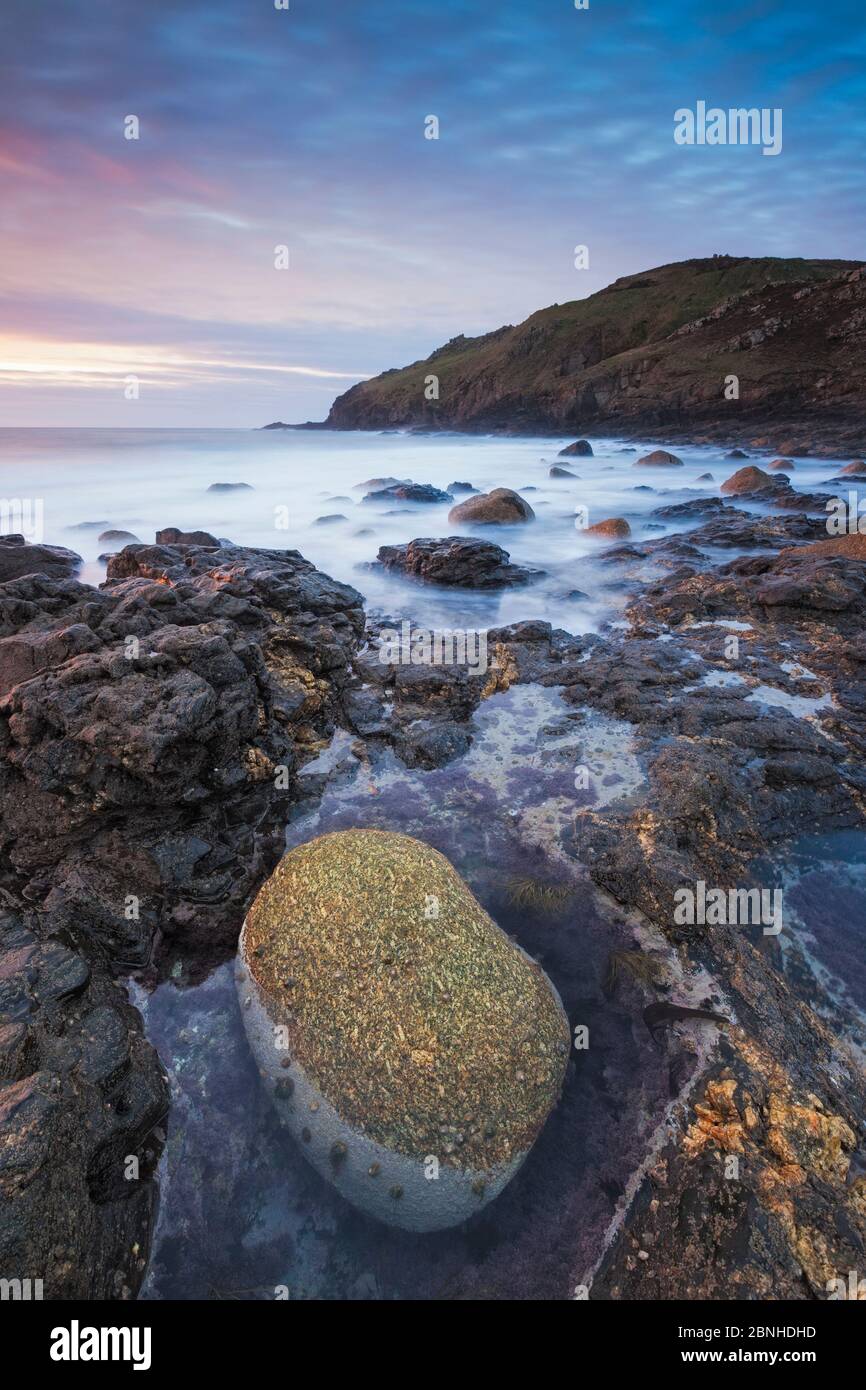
pixel 138 283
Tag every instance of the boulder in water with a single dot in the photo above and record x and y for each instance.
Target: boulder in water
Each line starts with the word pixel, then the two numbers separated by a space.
pixel 409 1046
pixel 500 507
pixel 659 458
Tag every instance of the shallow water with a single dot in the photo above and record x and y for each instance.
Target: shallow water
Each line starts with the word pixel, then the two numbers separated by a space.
pixel 243 1214
pixel 143 480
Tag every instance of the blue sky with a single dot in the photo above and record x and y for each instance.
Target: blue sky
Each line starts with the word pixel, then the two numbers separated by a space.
pixel 155 258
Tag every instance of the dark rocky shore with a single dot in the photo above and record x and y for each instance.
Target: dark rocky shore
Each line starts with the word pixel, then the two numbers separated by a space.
pixel 153 733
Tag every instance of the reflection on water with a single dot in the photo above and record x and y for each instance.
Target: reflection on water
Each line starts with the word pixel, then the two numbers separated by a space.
pixel 243 1213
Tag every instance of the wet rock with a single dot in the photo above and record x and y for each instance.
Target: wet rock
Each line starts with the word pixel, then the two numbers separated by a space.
pixel 18 558
pixel 781 466
pixel 745 481
pixel 612 526
pixel 230 487
pixel 403 975
pixel 81 1095
pixel 176 690
pixel 381 484
pixel 457 560
pixel 557 472
pixel 659 458
pixel 330 519
pixel 409 492
pixel 736 454
pixel 172 536
pixel 461 487
pixel 116 536
pixel 581 448
pixel 499 507
pixel 704 478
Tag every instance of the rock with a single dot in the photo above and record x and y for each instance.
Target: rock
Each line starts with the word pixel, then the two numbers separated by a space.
pixel 171 536
pixel 230 487
pixel 705 478
pixel 500 507
pixel 747 480
pixel 736 454
pixel 117 536
pixel 461 487
pixel 409 492
pixel 697 506
pixel 18 558
pixel 380 484
pixel 855 469
pixel 581 448
pixel 613 526
pixel 557 472
pixel 242 659
pixel 330 519
pixel 80 1090
pixel 411 1035
pixel 852 547
pixel 457 560
pixel 659 458
pixel 781 465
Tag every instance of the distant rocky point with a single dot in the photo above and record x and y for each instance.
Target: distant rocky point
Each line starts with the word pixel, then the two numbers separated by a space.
pixel 655 354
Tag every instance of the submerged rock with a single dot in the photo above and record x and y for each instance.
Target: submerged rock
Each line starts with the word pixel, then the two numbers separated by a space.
pixel 499 507
pixel 459 560
pixel 581 448
pixel 659 458
pixel 170 535
pixel 422 1051
pixel 557 472
pixel 409 492
pixel 230 487
pixel 461 487
pixel 782 466
pixel 116 536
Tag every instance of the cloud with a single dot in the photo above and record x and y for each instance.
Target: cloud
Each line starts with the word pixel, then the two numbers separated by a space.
pixel 306 128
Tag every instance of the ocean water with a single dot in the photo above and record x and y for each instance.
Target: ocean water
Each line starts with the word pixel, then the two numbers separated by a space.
pixel 142 480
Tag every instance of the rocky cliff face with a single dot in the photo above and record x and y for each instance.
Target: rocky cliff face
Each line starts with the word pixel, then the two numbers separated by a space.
pixel 651 352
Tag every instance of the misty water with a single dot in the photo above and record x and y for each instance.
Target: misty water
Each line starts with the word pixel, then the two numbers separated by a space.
pixel 241 1213
pixel 140 481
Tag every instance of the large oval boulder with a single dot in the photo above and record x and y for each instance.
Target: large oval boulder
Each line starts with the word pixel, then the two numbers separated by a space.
pixel 409 1046
pixel 500 507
